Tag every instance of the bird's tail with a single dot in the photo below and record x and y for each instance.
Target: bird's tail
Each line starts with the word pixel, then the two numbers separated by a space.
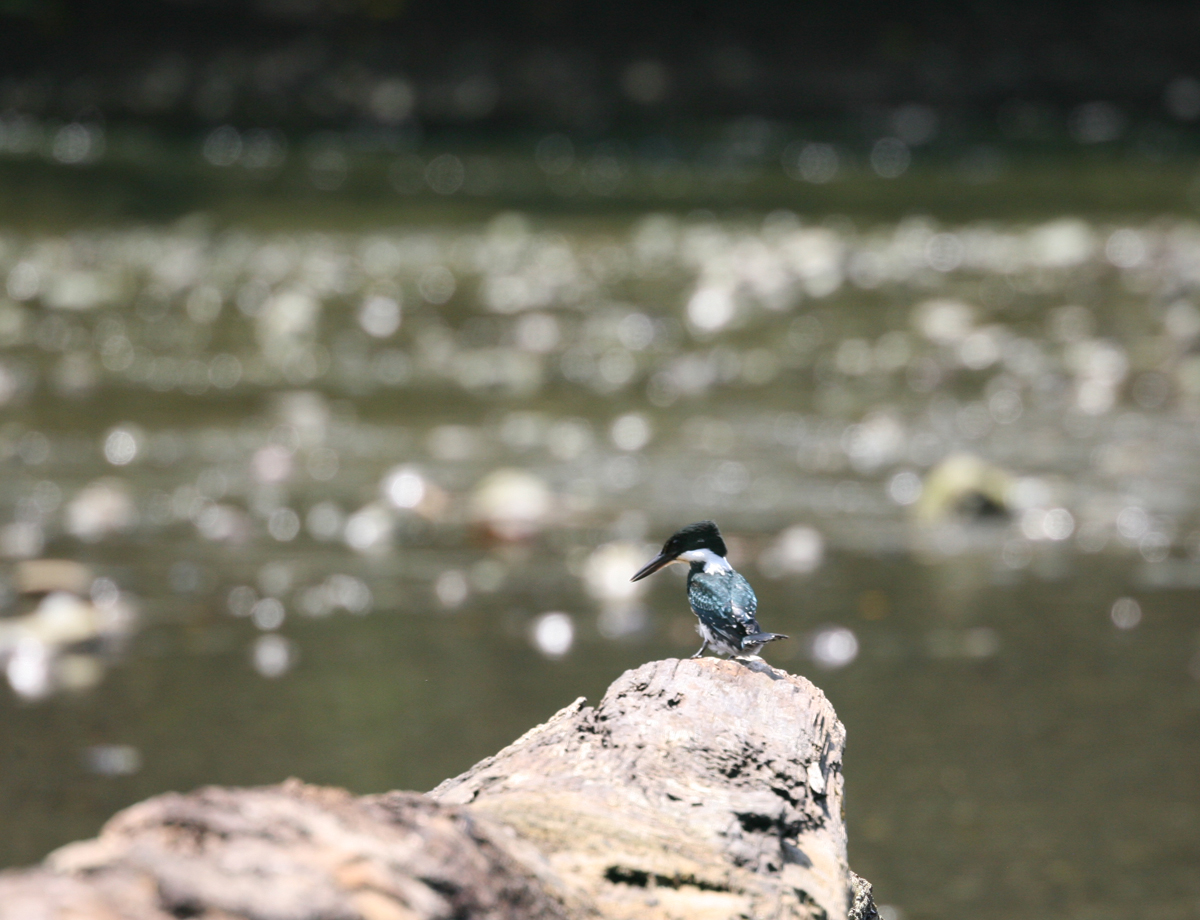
pixel 761 639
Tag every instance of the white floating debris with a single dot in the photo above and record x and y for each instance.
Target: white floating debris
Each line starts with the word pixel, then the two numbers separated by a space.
pixel 607 571
pixel 272 463
pixel 325 521
pixel 223 523
pixel 1126 613
pixel 1100 368
pixel 905 487
pixel 451 589
pixel 631 432
pixel 100 508
pixel 537 333
pixel 834 647
pixel 513 504
pixel 24 281
pixel 268 614
pixel 28 668
pixel 273 655
pixel 379 316
pixel 285 323
pixel 796 551
pixel 349 593
pixel 63 618
pixel 944 322
pixel 711 308
pixel 78 290
pixel 553 634
pixel 816 256
pixel 338 591
pixel 283 524
pixel 121 445
pixel 1061 243
pixel 1055 524
pixel 404 487
pixel 112 759
pixel 369 529
pixel 437 284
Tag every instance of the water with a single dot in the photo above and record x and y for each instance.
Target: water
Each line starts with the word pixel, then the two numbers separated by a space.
pixel 359 504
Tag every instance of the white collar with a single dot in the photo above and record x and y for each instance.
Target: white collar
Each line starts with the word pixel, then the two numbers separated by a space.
pixel 713 564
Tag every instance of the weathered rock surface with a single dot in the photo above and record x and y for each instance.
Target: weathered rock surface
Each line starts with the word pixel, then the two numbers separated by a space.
pixel 290 852
pixel 698 788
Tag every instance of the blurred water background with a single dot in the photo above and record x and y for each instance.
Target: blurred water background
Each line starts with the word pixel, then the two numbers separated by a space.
pixel 329 453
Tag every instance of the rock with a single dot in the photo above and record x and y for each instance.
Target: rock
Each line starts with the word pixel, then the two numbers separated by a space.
pixel 41 576
pixel 290 852
pixel 863 905
pixel 965 487
pixel 701 788
pixel 684 792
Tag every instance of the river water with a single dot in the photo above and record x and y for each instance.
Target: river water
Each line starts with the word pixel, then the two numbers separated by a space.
pixel 358 502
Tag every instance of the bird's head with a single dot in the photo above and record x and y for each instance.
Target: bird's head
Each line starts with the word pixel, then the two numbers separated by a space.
pixel 690 541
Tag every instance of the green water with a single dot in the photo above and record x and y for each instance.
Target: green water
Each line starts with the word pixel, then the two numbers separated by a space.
pixel 207 411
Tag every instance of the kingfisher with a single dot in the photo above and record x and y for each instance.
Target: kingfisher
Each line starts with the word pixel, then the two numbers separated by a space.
pixel 722 600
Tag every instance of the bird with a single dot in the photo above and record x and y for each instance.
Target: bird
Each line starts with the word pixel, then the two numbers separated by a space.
pixel 722 600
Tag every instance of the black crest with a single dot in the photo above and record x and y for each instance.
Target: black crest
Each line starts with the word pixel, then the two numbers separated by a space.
pixel 701 535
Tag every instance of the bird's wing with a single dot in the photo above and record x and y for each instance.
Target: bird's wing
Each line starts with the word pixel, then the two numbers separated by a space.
pixel 744 602
pixel 724 602
pixel 709 597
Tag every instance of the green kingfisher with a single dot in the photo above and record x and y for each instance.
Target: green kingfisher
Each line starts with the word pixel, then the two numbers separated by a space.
pixel 722 600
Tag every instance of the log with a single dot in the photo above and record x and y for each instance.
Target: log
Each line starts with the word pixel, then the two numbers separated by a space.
pixel 700 788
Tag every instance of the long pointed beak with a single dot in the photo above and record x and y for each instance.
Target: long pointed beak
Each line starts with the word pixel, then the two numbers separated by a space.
pixel 662 559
